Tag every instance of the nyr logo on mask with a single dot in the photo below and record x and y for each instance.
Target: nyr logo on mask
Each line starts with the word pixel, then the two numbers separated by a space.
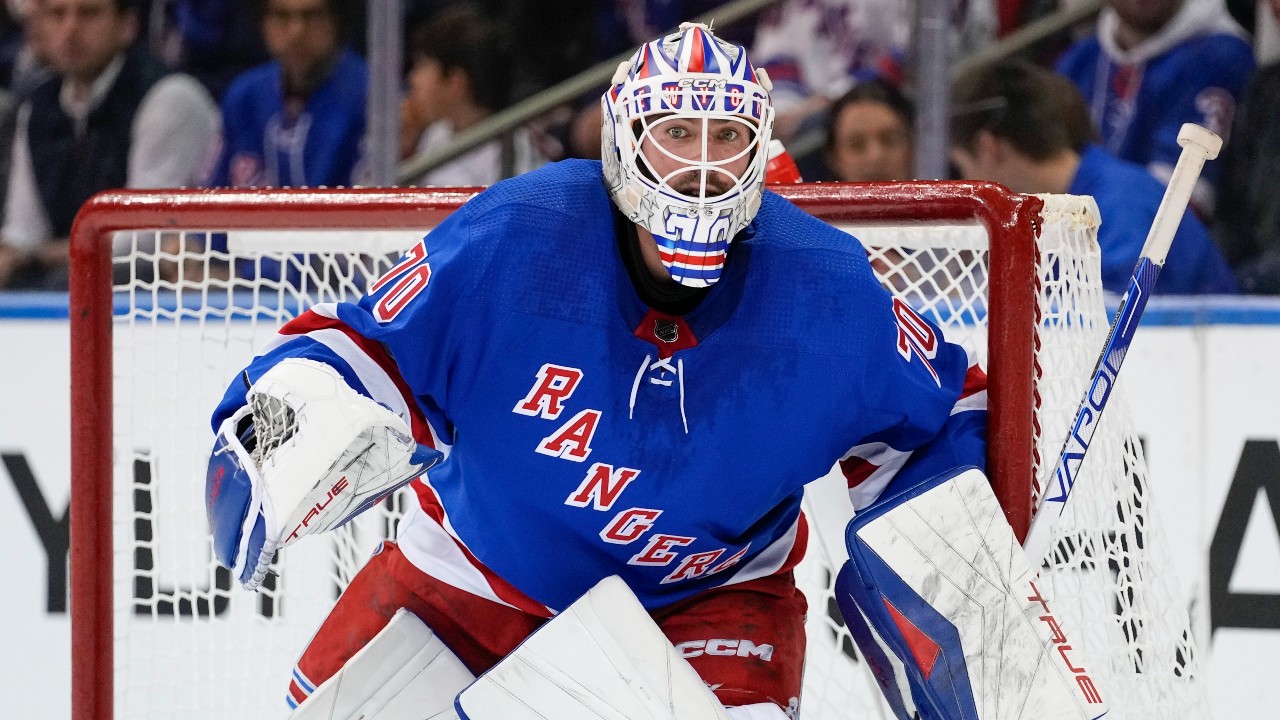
pixel 700 94
pixel 703 92
pixel 672 96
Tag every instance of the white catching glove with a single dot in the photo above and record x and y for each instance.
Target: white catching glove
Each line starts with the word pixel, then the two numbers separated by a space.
pixel 318 453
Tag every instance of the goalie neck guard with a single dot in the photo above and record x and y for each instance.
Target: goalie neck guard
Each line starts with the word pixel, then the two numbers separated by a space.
pixel 685 127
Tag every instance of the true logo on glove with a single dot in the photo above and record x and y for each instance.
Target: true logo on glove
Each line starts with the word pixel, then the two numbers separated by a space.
pixel 334 491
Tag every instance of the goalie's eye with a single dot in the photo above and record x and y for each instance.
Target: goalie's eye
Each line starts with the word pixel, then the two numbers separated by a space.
pixel 677 132
pixel 728 134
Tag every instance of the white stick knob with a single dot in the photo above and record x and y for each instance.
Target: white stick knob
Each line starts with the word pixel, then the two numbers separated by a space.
pixel 1192 137
pixel 1198 145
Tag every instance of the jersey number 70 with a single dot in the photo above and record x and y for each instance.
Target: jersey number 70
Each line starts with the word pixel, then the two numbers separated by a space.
pixel 916 337
pixel 410 276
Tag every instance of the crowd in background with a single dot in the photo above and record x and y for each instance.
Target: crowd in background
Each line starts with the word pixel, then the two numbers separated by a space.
pixel 103 94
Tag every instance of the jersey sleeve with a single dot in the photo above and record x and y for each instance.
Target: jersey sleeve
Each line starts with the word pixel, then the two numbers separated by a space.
pixel 929 410
pixel 395 344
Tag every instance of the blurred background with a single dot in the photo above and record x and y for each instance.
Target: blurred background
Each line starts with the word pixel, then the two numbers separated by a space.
pixel 1043 96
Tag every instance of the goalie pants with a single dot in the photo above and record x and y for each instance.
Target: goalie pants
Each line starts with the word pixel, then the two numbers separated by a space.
pixel 746 641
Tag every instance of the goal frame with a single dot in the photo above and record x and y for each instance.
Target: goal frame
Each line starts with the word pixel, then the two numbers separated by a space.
pixel 1012 222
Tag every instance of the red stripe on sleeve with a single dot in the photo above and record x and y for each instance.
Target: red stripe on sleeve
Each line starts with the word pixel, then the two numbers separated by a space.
pixel 856 470
pixel 310 321
pixel 504 590
pixel 975 381
pixel 797 550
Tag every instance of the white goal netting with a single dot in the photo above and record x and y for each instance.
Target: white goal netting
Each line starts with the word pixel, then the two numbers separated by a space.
pixel 188 643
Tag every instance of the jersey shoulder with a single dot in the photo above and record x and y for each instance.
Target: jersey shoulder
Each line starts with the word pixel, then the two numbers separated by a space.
pixel 558 199
pixel 781 228
pixel 812 283
pixel 544 210
pixel 568 187
pixel 538 240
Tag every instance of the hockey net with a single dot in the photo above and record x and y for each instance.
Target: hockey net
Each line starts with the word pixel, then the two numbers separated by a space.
pixel 160 324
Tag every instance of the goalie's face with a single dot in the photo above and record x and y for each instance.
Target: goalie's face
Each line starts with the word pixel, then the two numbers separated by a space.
pixel 685 132
pixel 697 157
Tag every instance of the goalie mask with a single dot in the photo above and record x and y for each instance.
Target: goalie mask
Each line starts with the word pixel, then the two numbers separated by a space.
pixel 686 126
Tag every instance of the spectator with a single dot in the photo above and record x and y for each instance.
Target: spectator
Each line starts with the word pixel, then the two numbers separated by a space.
pixel 869 134
pixel 815 50
pixel 299 119
pixel 12 36
pixel 111 116
pixel 461 74
pixel 214 40
pixel 28 70
pixel 1154 65
pixel 1020 125
pixel 1249 209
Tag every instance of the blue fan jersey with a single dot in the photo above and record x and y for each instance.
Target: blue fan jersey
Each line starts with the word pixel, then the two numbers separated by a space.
pixel 586 434
pixel 1139 108
pixel 263 147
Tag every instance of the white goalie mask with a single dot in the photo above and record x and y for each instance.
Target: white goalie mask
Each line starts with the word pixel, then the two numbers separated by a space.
pixel 685 127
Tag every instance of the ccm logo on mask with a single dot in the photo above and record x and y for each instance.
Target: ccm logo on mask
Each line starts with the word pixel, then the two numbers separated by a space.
pixel 727 648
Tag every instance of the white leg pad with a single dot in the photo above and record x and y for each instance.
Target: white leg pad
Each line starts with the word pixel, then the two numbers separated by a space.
pixel 948 592
pixel 404 673
pixel 603 658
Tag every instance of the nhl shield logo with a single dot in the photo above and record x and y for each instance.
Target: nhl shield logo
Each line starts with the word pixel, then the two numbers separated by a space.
pixel 665 330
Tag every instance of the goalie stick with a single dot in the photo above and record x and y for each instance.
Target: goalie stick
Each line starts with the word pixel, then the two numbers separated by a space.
pixel 1198 145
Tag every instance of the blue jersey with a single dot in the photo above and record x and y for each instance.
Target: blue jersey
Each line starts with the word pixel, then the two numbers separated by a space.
pixel 263 147
pixel 1128 198
pixel 586 434
pixel 1139 107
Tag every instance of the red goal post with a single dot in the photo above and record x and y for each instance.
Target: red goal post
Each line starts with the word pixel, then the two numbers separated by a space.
pixel 1011 282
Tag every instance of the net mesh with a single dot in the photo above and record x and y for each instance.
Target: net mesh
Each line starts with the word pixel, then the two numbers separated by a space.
pixel 188 643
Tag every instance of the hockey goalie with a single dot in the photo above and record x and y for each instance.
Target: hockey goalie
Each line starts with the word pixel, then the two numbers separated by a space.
pixel 606 386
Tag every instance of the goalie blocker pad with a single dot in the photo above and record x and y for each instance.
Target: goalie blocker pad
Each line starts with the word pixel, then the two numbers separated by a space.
pixel 938 595
pixel 603 657
pixel 321 454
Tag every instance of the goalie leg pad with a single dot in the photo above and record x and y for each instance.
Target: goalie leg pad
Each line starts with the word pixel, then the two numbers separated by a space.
pixel 405 671
pixel 943 585
pixel 887 669
pixel 318 454
pixel 603 657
